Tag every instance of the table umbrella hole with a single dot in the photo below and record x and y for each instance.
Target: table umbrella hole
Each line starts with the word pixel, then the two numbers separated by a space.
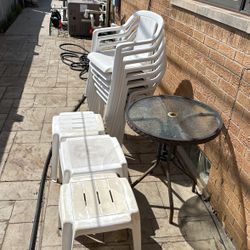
pixel 172 114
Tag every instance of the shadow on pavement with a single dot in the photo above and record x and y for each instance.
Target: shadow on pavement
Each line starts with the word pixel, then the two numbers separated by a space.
pixel 19 50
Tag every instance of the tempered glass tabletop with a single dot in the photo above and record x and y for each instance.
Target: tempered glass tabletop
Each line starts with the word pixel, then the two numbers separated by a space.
pixel 174 119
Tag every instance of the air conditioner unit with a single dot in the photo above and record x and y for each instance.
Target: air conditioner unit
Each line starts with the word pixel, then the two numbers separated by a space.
pixel 78 23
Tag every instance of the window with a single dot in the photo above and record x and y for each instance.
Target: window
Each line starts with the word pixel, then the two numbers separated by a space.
pixel 230 18
pixel 237 5
pixel 201 163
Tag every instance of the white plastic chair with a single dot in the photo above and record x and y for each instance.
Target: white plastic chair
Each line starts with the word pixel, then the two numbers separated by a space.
pixel 132 57
pixel 91 154
pixel 72 124
pixel 96 204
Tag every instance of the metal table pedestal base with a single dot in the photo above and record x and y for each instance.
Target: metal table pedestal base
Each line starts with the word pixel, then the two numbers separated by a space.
pixel 167 153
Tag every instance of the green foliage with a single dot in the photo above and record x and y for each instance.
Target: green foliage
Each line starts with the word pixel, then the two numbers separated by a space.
pixel 11 17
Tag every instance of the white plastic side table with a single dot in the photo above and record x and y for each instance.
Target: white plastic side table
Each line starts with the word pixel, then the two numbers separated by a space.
pixel 96 204
pixel 72 124
pixel 91 154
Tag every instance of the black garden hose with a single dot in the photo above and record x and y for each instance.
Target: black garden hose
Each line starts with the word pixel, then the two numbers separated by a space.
pixel 76 60
pixel 41 189
pixel 39 202
pixel 82 66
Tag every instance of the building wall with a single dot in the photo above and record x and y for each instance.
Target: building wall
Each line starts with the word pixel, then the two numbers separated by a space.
pixel 210 62
pixel 5 7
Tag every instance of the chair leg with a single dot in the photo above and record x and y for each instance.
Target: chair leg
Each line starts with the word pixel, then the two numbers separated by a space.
pixel 59 222
pixel 101 107
pixel 136 232
pixel 98 105
pixel 95 103
pixel 90 90
pixel 114 118
pixel 54 158
pixel 67 236
pixel 92 96
pixel 89 83
pixel 122 128
pixel 125 173
pixel 60 177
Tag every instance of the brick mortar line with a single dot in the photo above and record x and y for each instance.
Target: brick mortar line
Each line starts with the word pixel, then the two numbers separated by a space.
pixel 8 223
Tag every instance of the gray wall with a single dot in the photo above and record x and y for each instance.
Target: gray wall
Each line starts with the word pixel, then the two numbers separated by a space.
pixel 5 6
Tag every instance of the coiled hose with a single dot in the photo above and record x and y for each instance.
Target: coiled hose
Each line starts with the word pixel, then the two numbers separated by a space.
pixel 76 60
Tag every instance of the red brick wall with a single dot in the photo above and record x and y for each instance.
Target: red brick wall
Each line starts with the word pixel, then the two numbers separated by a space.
pixel 210 62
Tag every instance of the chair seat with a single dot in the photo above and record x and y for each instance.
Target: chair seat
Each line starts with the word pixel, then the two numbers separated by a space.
pixel 102 60
pixel 91 154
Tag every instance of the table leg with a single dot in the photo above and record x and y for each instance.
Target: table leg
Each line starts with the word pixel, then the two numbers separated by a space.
pixel 150 170
pixel 170 194
pixel 168 157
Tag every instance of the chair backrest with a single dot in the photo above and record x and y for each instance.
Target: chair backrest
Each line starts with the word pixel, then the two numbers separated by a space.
pixel 142 25
pixel 150 25
pixel 144 60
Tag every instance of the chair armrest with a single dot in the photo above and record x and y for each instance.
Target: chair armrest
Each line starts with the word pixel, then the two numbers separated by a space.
pixel 129 46
pixel 145 46
pixel 103 31
pixel 106 29
pixel 120 32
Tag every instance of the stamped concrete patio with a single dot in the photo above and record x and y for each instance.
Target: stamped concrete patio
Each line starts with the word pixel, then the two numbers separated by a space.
pixel 34 86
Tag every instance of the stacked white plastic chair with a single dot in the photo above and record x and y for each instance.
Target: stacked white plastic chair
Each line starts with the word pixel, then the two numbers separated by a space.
pixel 124 61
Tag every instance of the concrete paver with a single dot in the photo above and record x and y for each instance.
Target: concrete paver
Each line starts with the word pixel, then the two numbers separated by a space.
pixel 46 133
pixel 19 190
pixel 5 106
pixel 23 211
pixel 51 235
pixel 6 141
pixel 3 160
pixel 3 226
pixel 6 208
pixel 2 120
pixel 17 236
pixel 149 201
pixel 25 119
pixel 23 137
pixel 34 86
pixel 25 162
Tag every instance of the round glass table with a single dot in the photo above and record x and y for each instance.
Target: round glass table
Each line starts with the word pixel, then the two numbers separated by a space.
pixel 172 121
